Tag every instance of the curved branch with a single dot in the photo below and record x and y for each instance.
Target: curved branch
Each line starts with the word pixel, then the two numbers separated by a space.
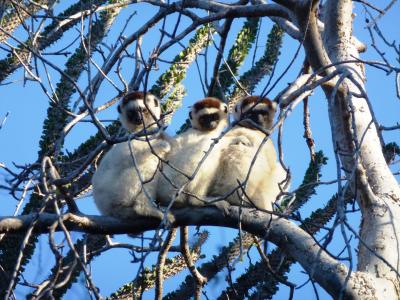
pixel 224 11
pixel 325 270
pixel 354 131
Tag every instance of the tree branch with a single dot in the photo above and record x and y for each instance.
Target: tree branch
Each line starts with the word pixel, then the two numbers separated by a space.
pixel 329 273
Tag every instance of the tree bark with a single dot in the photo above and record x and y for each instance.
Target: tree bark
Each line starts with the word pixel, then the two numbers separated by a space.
pixel 358 144
pixel 325 270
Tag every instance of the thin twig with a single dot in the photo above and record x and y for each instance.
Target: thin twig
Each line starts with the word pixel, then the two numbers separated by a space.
pixel 161 261
pixel 199 279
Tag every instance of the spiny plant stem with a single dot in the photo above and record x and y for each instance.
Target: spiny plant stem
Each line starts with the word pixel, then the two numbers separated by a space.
pixel 15 18
pixel 147 279
pixel 231 252
pixel 237 54
pixel 261 68
pixel 46 38
pixel 258 276
pixel 54 123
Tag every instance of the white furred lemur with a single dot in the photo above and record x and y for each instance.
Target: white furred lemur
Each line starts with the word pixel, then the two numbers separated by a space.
pixel 208 118
pixel 125 182
pixel 237 150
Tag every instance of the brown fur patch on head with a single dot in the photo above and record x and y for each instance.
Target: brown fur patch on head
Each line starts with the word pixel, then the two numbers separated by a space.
pixel 253 99
pixel 207 103
pixel 133 96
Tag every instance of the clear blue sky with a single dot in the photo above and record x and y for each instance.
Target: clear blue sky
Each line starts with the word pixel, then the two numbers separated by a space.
pixel 27 105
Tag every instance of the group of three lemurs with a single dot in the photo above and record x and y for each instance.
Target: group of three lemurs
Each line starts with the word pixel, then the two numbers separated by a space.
pixel 205 163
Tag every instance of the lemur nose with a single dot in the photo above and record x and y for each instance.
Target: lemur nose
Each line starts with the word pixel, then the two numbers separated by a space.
pixel 135 117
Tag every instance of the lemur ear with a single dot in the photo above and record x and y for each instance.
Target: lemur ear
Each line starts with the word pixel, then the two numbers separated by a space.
pixel 119 108
pixel 190 115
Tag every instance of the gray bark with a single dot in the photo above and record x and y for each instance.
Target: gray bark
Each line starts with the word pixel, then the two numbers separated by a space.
pixel 356 137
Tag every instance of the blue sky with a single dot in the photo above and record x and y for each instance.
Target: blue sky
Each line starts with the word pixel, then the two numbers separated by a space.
pixel 27 105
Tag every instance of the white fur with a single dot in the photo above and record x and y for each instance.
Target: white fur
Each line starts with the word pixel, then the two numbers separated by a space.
pixel 230 161
pixel 188 149
pixel 117 187
pixel 237 150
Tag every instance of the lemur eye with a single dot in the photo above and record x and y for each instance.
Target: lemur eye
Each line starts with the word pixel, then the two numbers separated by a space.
pixel 119 109
pixel 190 115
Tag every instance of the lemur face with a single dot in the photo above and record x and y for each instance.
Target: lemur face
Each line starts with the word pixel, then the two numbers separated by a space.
pixel 136 114
pixel 261 114
pixel 208 113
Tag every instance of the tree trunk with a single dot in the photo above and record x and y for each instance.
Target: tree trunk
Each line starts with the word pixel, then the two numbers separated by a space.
pixel 356 140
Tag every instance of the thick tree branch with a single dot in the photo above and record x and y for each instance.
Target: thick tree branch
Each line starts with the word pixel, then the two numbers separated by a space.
pixel 357 143
pixel 329 273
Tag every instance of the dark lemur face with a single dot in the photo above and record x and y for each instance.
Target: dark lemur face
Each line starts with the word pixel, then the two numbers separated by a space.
pixel 208 113
pixel 261 114
pixel 136 114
